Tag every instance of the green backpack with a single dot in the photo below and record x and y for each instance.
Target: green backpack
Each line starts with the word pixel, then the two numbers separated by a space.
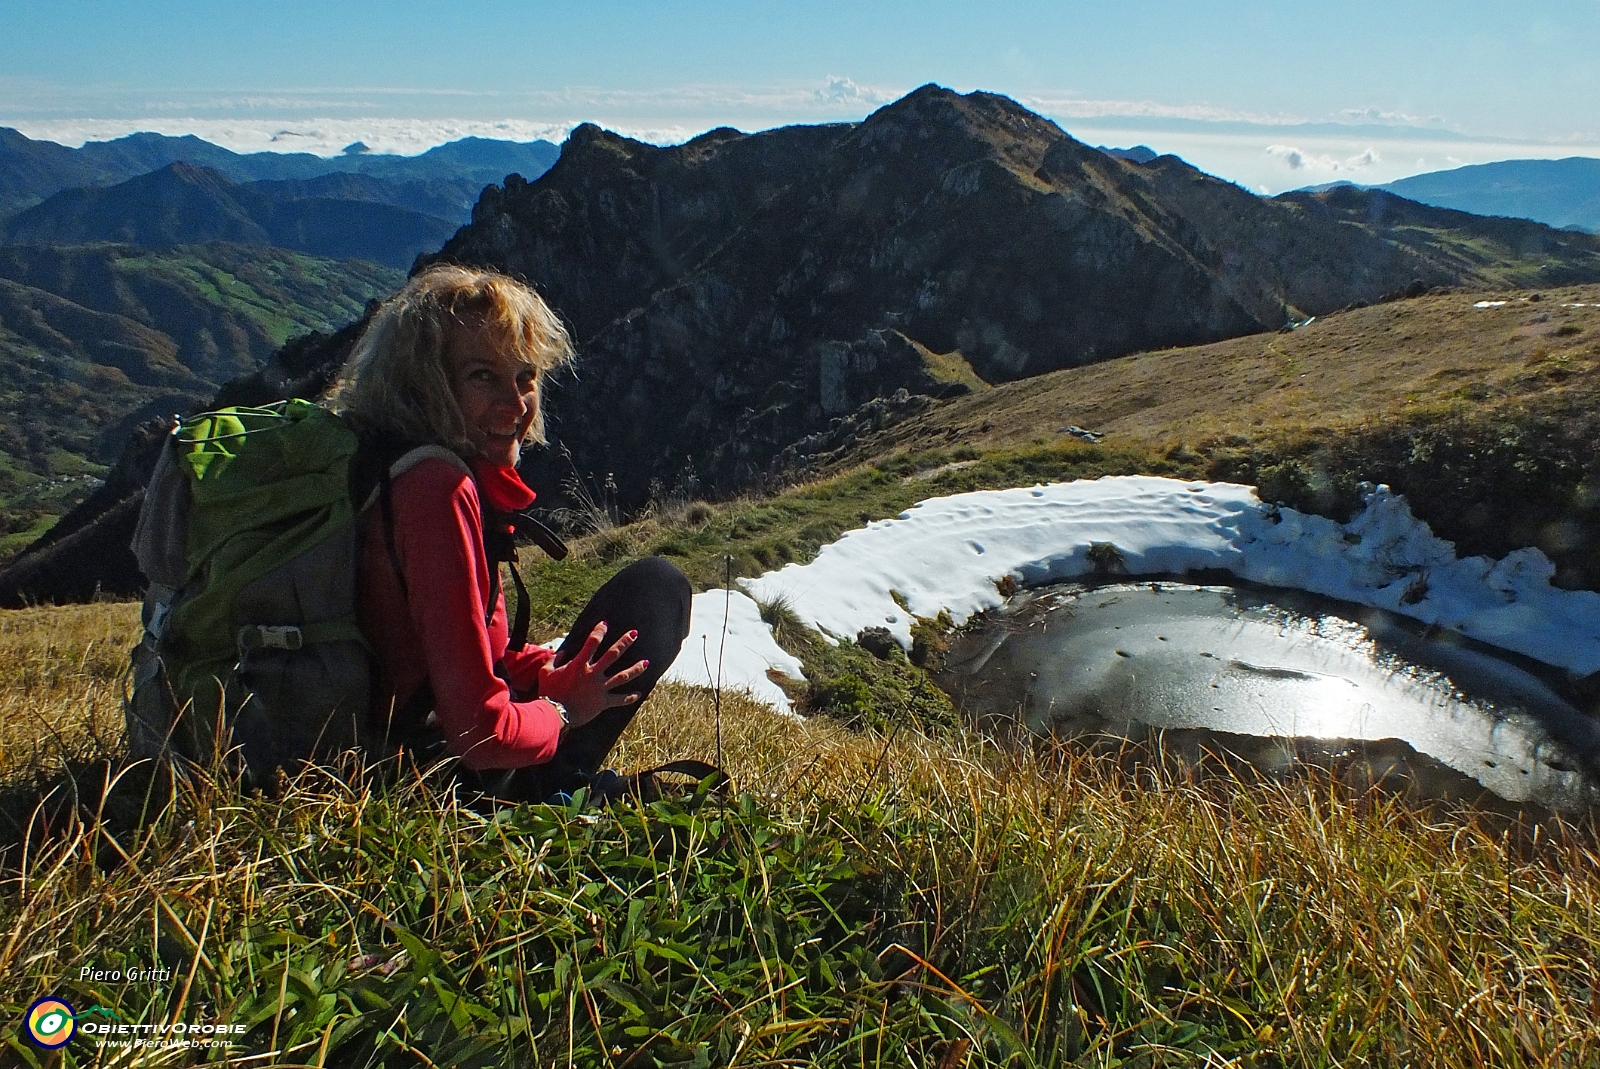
pixel 250 537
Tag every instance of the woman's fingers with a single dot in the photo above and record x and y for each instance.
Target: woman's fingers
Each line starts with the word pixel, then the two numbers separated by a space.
pixel 618 648
pixel 585 655
pixel 590 689
pixel 614 701
pixel 627 675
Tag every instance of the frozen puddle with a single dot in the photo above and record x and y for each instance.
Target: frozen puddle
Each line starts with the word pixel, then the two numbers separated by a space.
pixel 1276 665
pixel 1291 673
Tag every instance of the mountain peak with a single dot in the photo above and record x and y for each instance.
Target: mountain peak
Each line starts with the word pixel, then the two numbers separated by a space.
pixel 189 174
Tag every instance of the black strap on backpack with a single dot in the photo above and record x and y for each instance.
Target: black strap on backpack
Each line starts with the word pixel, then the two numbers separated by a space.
pixel 699 771
pixel 642 785
pixel 500 532
pixel 540 535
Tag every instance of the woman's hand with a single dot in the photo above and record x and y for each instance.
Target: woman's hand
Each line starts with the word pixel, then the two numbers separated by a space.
pixel 582 684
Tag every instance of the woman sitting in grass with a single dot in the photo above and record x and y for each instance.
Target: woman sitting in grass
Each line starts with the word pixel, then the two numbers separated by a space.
pixel 455 361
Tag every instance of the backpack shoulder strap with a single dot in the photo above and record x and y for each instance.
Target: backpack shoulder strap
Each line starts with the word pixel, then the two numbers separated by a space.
pixel 412 457
pixel 388 470
pixel 700 771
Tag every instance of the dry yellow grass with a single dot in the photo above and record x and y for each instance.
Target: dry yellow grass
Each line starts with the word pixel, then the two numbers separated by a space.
pixel 1345 913
pixel 60 679
pixel 1134 916
pixel 1368 364
pixel 1335 927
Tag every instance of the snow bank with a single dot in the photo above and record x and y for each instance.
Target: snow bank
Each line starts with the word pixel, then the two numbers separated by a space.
pixel 743 652
pixel 948 553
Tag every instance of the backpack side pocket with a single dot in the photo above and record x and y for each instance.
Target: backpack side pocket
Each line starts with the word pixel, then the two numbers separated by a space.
pixel 302 686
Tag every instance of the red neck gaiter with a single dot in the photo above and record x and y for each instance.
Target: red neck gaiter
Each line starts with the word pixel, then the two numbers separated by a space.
pixel 501 488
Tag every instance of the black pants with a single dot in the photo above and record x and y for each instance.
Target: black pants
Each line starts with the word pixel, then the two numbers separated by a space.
pixel 651 597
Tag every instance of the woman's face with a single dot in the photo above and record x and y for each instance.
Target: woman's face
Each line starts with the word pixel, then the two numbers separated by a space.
pixel 497 392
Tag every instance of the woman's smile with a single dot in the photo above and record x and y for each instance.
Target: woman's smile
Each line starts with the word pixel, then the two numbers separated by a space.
pixel 497 391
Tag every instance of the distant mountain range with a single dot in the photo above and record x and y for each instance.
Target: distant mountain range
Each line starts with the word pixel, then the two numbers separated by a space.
pixel 742 301
pixel 1562 193
pixel 443 181
pixel 137 275
pixel 1136 154
pixel 95 339
pixel 1559 193
pixel 337 216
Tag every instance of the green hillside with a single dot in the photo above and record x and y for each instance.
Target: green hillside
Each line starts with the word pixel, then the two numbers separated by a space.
pixel 94 339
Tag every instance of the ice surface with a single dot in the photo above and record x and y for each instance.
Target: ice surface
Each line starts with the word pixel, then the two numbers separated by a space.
pixel 949 553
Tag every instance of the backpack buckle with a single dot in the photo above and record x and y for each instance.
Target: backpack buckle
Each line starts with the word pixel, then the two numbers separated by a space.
pixel 270 637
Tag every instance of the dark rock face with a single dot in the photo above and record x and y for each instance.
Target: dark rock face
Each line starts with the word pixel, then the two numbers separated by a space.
pixel 730 296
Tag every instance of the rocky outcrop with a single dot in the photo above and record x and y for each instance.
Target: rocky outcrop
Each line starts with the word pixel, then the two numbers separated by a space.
pixel 731 295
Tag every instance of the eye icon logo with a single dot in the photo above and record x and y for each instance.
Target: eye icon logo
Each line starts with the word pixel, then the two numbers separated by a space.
pixel 50 1023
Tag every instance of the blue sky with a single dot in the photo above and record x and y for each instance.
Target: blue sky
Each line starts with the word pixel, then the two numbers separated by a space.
pixel 1273 95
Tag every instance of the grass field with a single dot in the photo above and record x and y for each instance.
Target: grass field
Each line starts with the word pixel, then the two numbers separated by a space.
pixel 863 898
pixel 895 891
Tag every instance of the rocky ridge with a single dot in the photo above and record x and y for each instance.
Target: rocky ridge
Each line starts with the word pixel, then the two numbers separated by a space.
pixel 732 295
pixel 744 303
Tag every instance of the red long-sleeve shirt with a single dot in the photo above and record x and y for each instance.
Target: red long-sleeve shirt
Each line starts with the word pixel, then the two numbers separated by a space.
pixel 434 629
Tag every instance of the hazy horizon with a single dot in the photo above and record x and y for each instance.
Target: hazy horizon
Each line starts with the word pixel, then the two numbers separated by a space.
pixel 1271 96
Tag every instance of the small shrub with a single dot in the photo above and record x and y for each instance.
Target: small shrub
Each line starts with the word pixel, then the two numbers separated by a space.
pixel 846 697
pixel 1285 483
pixel 1106 558
pixel 851 685
pixel 788 630
pixel 930 640
pixel 613 545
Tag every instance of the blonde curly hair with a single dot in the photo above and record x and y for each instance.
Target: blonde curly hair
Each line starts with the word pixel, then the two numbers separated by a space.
pixel 397 379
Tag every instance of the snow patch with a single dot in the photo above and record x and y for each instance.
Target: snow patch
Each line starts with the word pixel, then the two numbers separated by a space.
pixel 927 558
pixel 742 654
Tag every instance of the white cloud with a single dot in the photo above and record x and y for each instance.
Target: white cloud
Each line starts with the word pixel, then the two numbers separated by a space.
pixel 328 136
pixel 844 91
pixel 1259 152
pixel 1297 159
pixel 1378 115
pixel 1090 108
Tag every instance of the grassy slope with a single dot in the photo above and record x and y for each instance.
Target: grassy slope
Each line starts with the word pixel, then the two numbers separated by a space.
pixel 874 900
pixel 1485 418
pixel 1345 370
pixel 883 895
pixel 284 293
